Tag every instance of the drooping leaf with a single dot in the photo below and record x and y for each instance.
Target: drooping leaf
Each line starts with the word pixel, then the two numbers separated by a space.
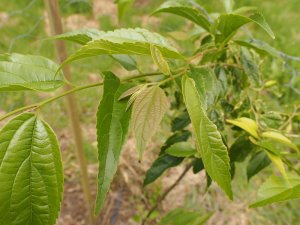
pixel 125 41
pixel 280 138
pixel 28 72
pixel 278 189
pixel 31 174
pixel 112 128
pixel 181 121
pixel 160 165
pixel 180 216
pixel 126 61
pixel 165 161
pixel 148 110
pixel 246 124
pixel 228 25
pixel 211 147
pixel 250 66
pixel 123 5
pixel 197 165
pixel 159 60
pixel 277 162
pixel 181 149
pixel 258 162
pixel 240 149
pixel 186 9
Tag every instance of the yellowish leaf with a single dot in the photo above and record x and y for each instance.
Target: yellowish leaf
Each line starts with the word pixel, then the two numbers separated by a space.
pixel 278 137
pixel 159 60
pixel 246 124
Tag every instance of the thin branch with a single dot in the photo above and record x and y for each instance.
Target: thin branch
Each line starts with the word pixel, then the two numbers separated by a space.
pixel 164 195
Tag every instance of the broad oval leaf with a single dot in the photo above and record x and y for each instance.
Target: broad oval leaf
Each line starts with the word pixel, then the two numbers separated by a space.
pixel 212 149
pixel 278 189
pixel 31 172
pixel 125 41
pixel 186 9
pixel 280 138
pixel 28 72
pixel 148 110
pixel 181 149
pixel 112 128
pixel 228 25
pixel 246 124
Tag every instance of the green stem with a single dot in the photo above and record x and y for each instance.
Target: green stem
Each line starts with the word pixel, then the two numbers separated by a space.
pixel 40 104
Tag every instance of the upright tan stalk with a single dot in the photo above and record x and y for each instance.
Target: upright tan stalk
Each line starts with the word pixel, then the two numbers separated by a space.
pixel 57 28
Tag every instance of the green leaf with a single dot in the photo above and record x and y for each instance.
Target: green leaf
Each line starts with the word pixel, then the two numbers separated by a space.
pixel 125 41
pixel 181 149
pixel 123 5
pixel 28 72
pixel 186 9
pixel 31 173
pixel 250 67
pixel 80 36
pixel 258 162
pixel 148 110
pixel 228 25
pixel 159 60
pixel 181 121
pixel 159 166
pixel 165 161
pixel 197 165
pixel 84 36
pixel 126 61
pixel 181 216
pixel 240 149
pixel 207 85
pixel 112 128
pixel 280 138
pixel 246 124
pixel 211 147
pixel 278 189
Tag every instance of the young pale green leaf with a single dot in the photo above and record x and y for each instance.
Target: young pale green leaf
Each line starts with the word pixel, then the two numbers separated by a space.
pixel 112 128
pixel 278 189
pixel 123 5
pixel 258 162
pixel 229 24
pixel 181 216
pixel 181 149
pixel 280 138
pixel 250 67
pixel 148 110
pixel 125 41
pixel 246 124
pixel 276 160
pixel 186 9
pixel 212 149
pixel 228 5
pixel 31 173
pixel 28 72
pixel 159 60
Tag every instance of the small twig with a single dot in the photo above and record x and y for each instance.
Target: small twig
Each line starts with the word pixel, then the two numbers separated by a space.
pixel 164 195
